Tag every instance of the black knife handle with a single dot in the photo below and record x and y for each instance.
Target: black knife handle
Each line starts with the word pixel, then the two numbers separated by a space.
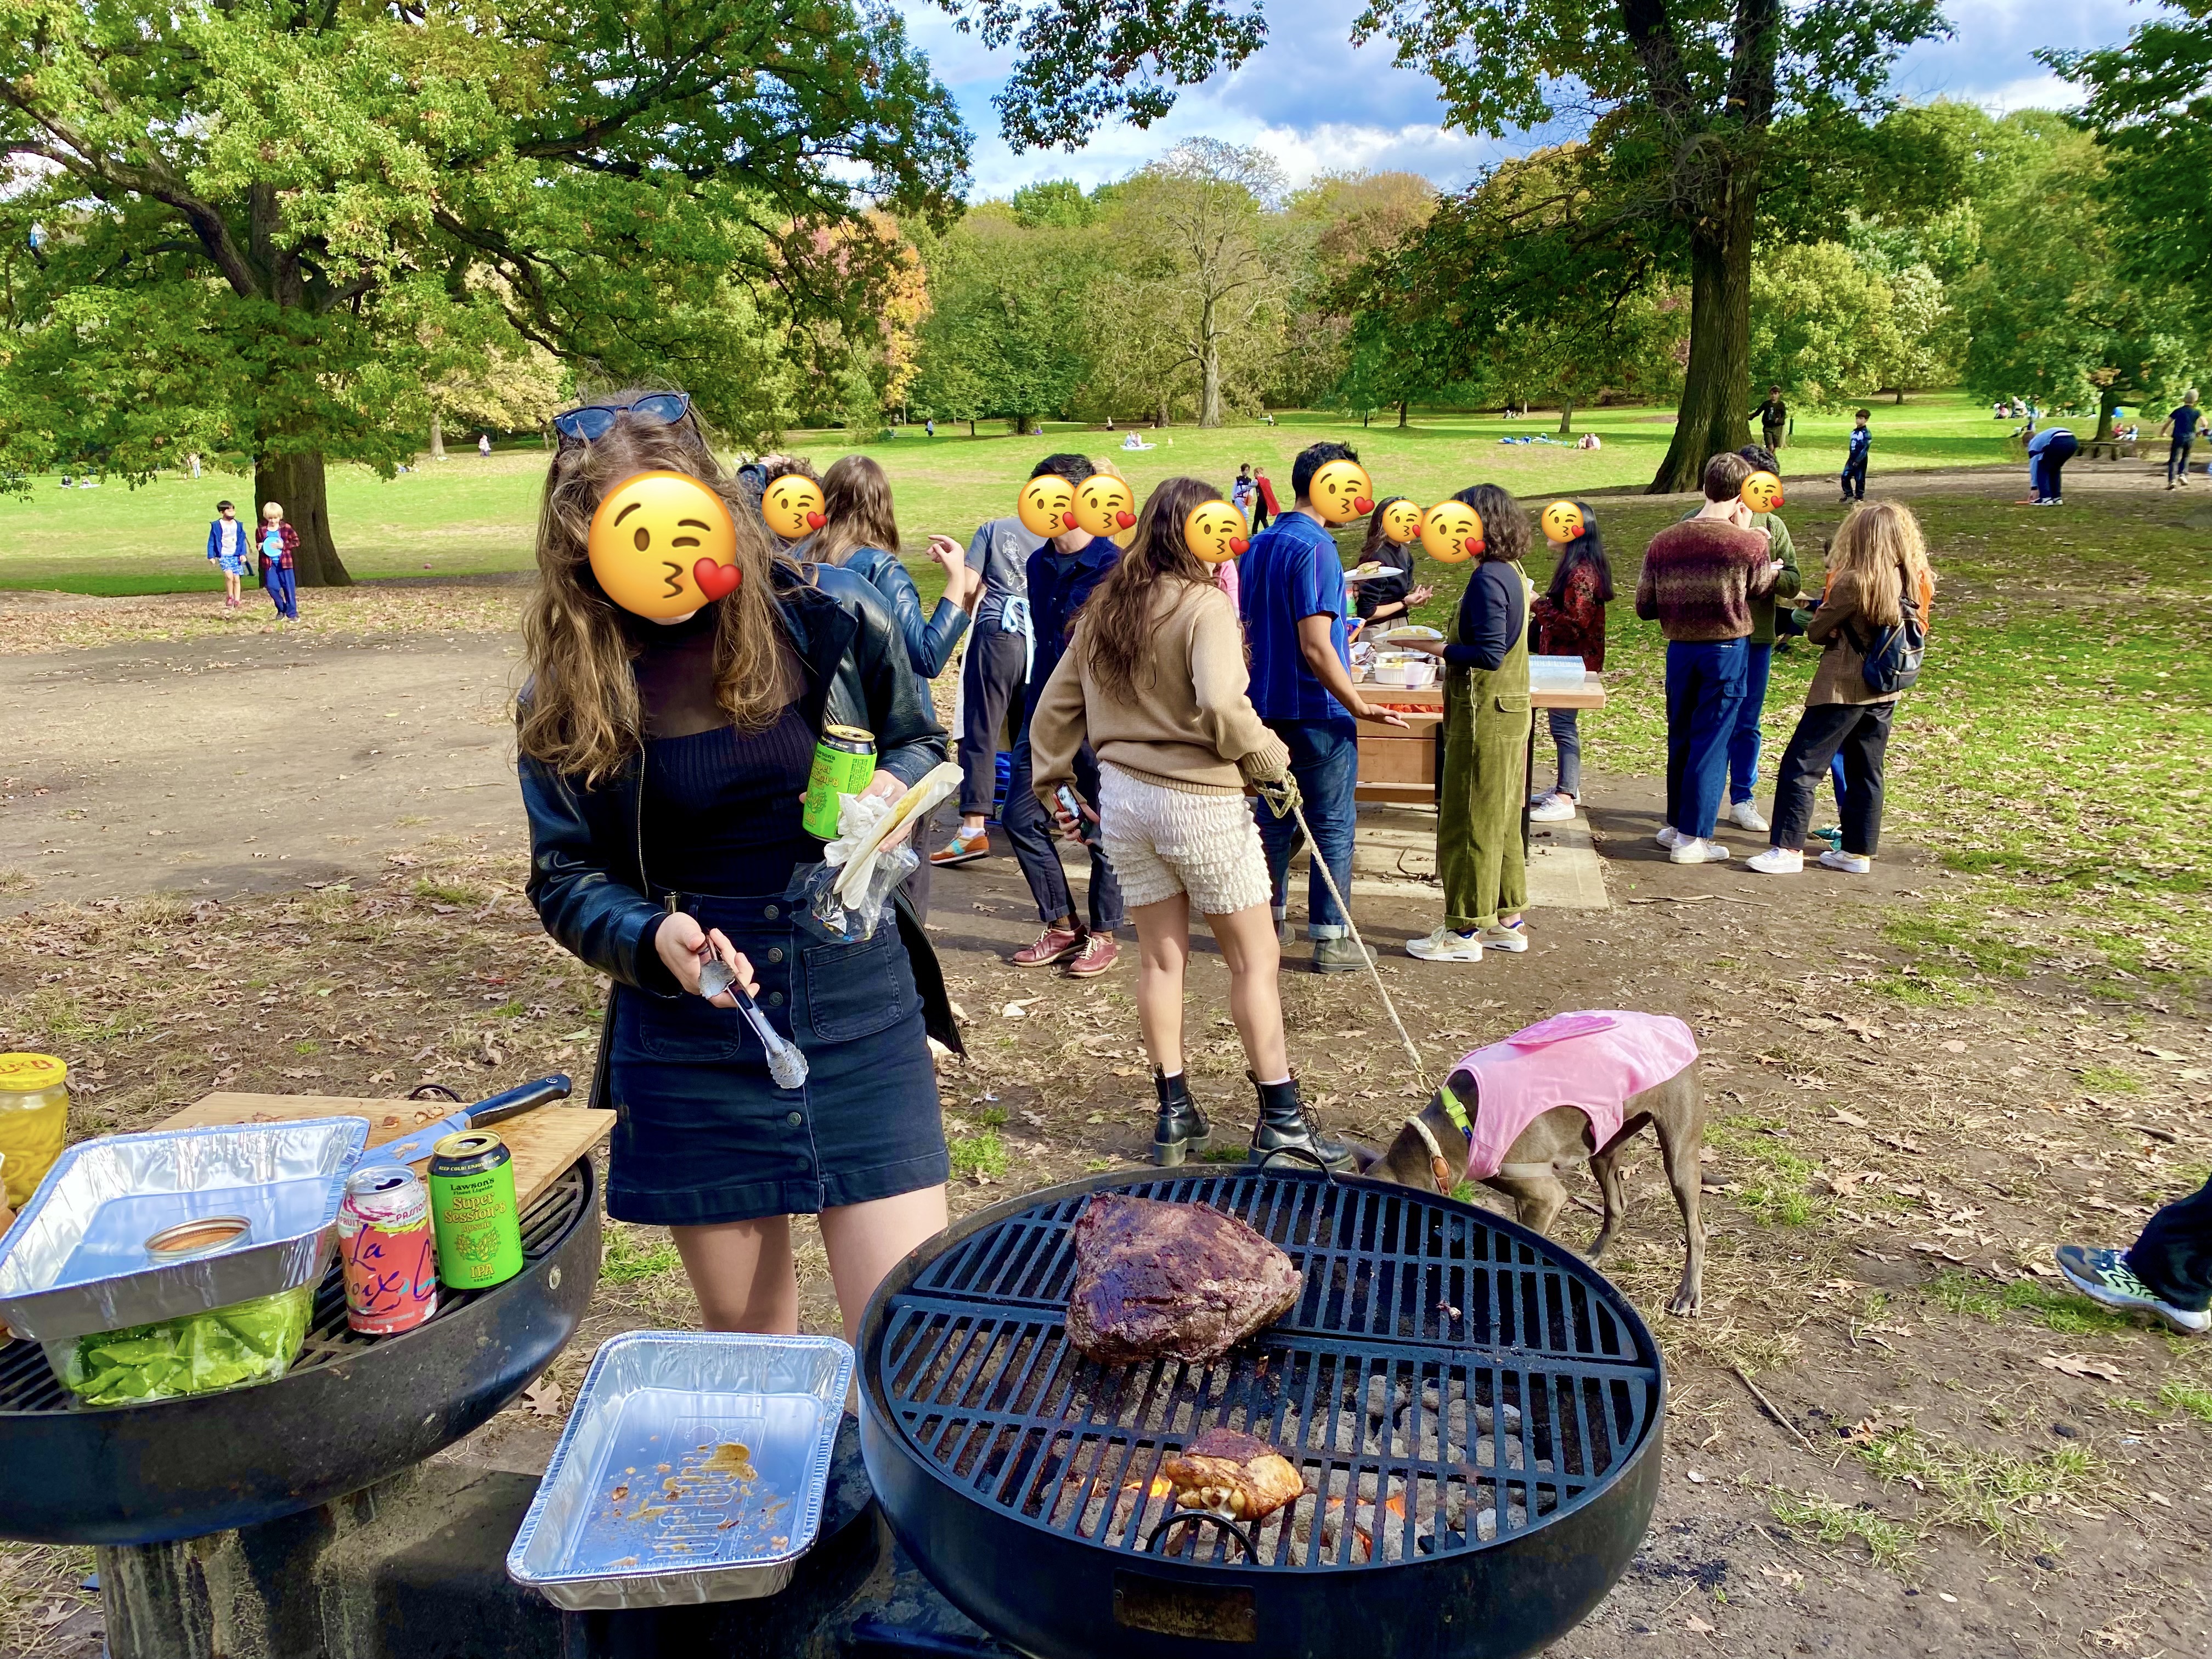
pixel 523 1097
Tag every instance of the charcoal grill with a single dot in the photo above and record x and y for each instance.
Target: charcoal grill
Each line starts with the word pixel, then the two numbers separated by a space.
pixel 1476 1414
pixel 352 1410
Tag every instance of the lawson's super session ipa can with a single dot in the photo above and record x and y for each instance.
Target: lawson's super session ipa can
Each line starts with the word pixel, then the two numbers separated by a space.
pixel 844 762
pixel 472 1211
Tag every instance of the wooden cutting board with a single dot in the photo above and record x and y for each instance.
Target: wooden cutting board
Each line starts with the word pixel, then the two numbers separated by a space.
pixel 543 1143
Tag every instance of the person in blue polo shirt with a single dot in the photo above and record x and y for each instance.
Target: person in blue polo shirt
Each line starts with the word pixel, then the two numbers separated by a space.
pixel 1293 605
pixel 1061 575
pixel 2183 424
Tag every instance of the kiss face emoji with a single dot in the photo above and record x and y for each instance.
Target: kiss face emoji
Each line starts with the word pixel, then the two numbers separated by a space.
pixel 1340 492
pixel 1451 532
pixel 662 545
pixel 1104 505
pixel 793 507
pixel 1761 492
pixel 1563 522
pixel 1214 532
pixel 1401 521
pixel 1047 506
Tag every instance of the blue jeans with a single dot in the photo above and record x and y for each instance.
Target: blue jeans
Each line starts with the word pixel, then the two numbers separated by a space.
pixel 1704 688
pixel 1743 743
pixel 1854 474
pixel 1325 760
pixel 283 589
pixel 1567 738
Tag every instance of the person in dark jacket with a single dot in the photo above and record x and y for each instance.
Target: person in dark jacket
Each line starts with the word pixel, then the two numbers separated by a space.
pixel 1568 620
pixel 1390 597
pixel 859 533
pixel 662 765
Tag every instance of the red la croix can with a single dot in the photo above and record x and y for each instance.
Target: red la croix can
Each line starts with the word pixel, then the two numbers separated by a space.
pixel 384 1239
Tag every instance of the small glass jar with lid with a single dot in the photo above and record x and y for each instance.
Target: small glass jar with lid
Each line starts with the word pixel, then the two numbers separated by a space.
pixel 34 1120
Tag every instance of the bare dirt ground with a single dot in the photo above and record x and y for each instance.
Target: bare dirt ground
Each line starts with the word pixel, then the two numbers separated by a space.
pixel 1888 1434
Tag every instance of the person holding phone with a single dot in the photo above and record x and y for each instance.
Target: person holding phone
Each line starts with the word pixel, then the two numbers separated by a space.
pixel 662 765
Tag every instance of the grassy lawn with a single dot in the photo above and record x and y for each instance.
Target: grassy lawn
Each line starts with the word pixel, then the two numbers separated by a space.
pixel 468 515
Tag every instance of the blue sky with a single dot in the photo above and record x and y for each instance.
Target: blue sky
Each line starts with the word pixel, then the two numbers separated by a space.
pixel 1318 105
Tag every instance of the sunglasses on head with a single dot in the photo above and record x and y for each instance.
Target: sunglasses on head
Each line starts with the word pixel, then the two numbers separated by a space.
pixel 594 421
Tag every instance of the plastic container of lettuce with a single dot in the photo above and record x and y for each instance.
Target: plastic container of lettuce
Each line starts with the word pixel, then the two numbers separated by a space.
pixel 251 1341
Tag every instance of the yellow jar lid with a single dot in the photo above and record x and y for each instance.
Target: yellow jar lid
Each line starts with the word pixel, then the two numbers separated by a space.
pixel 22 1073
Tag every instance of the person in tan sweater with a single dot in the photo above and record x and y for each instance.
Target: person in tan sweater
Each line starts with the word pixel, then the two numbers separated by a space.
pixel 1155 681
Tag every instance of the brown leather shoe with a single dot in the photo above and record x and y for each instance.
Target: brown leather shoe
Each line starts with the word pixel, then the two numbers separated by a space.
pixel 1053 944
pixel 1099 953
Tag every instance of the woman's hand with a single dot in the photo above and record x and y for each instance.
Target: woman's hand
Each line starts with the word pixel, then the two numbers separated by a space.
pixel 1420 595
pixel 1426 647
pixel 884 787
pixel 684 947
pixel 1069 824
pixel 961 583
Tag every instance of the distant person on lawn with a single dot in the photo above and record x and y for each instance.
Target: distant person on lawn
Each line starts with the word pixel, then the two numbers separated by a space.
pixel 1877 569
pixel 1294 609
pixel 2183 424
pixel 1264 507
pixel 228 549
pixel 1773 420
pixel 280 545
pixel 1699 581
pixel 1854 458
pixel 1745 742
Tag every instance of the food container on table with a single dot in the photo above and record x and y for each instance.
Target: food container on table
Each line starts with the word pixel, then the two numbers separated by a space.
pixel 34 1121
pixel 142 1228
pixel 251 1341
pixel 1556 673
pixel 692 1468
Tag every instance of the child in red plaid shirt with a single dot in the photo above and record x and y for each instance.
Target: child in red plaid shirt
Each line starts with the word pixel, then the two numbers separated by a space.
pixel 279 544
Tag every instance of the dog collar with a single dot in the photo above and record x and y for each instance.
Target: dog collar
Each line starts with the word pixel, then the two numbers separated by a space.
pixel 1428 1139
pixel 1455 1111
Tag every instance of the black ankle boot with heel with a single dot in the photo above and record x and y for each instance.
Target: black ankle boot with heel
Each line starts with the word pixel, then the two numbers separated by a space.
pixel 1285 1139
pixel 1181 1127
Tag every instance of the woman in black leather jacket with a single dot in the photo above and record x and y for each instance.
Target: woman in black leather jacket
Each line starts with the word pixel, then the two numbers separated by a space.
pixel 662 765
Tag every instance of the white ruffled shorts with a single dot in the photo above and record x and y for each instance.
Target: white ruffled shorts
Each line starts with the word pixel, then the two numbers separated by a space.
pixel 1161 842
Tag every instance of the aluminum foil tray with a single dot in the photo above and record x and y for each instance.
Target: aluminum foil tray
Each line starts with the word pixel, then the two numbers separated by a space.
pixel 77 1260
pixel 692 1468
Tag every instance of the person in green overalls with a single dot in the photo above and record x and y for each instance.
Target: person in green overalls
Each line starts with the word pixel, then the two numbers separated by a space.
pixel 1483 779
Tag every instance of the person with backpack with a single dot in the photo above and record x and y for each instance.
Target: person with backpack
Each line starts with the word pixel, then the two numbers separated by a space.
pixel 1871 627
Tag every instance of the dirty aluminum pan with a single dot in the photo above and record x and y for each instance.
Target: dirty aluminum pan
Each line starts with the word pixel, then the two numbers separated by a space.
pixel 692 1469
pixel 77 1260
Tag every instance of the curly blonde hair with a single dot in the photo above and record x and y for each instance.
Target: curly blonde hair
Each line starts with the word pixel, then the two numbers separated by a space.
pixel 580 714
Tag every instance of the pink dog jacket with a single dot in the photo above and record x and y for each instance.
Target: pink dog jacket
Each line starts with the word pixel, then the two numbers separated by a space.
pixel 1592 1061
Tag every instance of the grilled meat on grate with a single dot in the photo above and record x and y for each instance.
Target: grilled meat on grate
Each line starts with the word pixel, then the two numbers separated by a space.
pixel 1232 1473
pixel 1155 1279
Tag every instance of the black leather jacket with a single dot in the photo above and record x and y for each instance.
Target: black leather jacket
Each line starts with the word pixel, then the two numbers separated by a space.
pixel 586 876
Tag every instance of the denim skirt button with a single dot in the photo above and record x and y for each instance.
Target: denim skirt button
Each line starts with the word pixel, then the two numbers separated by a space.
pixel 795 1119
pixel 774 999
pixel 771 913
pixel 774 953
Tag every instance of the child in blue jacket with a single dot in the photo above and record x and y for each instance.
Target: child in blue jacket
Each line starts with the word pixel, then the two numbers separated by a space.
pixel 1854 463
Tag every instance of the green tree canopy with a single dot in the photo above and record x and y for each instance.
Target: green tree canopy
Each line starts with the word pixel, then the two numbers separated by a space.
pixel 265 226
pixel 1009 328
pixel 2150 103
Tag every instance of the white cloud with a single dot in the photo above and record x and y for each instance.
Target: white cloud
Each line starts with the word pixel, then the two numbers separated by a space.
pixel 1320 105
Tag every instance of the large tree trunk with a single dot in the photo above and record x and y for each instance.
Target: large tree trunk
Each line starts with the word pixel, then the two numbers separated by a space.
pixel 1161 419
pixel 1402 422
pixel 1717 387
pixel 437 439
pixel 2108 399
pixel 1209 371
pixel 297 482
pixel 1566 416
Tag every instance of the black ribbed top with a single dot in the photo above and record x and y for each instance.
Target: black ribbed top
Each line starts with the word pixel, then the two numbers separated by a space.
pixel 721 807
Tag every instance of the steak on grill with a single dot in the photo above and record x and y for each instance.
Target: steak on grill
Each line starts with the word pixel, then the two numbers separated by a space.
pixel 1177 1280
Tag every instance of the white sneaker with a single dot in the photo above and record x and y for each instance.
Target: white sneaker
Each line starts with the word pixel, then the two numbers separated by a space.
pixel 1691 849
pixel 1552 809
pixel 1852 864
pixel 1446 944
pixel 1669 837
pixel 1513 937
pixel 1776 862
pixel 1745 816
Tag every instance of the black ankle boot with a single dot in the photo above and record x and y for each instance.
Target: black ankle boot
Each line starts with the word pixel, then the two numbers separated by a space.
pixel 1181 1127
pixel 1282 1129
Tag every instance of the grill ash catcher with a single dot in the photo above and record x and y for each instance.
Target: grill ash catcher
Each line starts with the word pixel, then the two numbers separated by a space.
pixel 1476 1415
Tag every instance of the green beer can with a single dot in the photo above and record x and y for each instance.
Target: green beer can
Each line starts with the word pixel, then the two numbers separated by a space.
pixel 844 762
pixel 472 1211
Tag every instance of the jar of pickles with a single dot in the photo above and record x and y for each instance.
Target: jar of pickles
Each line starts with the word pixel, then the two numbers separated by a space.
pixel 34 1120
